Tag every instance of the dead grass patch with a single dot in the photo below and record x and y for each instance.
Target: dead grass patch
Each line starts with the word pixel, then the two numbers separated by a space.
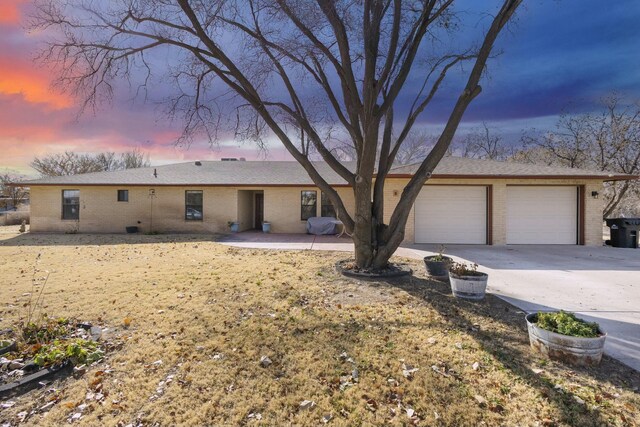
pixel 202 315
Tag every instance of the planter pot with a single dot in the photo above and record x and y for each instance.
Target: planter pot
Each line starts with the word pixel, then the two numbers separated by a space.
pixel 266 227
pixel 573 350
pixel 234 227
pixel 132 230
pixel 469 287
pixel 437 269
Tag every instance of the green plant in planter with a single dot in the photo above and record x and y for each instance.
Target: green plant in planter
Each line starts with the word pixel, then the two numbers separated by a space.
pixel 566 323
pixel 440 256
pixel 463 269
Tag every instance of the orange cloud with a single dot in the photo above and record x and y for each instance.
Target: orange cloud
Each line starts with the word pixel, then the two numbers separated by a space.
pixel 10 12
pixel 34 88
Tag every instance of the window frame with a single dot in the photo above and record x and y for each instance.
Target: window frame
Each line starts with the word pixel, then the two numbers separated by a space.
pixel 302 205
pixel 325 202
pixel 188 206
pixel 77 216
pixel 126 198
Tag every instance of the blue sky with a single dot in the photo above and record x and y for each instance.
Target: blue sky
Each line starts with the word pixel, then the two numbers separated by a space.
pixel 563 55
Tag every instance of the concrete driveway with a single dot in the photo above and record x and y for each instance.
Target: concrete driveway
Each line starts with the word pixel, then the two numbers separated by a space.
pixel 601 284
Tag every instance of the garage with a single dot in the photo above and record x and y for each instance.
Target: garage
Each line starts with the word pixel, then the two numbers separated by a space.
pixel 542 215
pixel 451 214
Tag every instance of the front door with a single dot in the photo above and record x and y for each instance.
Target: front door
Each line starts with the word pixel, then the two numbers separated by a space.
pixel 258 210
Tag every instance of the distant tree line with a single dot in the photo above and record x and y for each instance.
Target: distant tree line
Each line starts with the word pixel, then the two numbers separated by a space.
pixel 70 163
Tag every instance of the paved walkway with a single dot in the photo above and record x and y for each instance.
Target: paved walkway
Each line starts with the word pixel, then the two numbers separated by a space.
pixel 600 283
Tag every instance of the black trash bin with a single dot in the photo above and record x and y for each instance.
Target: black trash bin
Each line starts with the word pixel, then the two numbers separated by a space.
pixel 624 232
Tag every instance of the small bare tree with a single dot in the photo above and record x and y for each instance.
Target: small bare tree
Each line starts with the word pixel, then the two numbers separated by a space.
pixel 70 163
pixel 485 144
pixel 302 69
pixel 13 195
pixel 416 147
pixel 608 141
pixel 133 159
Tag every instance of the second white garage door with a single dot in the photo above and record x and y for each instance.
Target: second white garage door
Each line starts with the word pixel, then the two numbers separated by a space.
pixel 542 215
pixel 451 214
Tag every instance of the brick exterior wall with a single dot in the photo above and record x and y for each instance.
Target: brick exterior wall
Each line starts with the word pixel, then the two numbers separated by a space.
pixel 100 212
pixel 592 215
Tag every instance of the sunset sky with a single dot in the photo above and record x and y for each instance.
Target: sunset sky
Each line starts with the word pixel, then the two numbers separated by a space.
pixel 560 55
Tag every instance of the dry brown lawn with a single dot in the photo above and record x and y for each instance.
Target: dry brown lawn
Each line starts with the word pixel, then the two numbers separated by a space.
pixel 210 312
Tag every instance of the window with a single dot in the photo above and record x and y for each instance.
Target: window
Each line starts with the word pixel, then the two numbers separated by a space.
pixel 193 205
pixel 71 204
pixel 309 203
pixel 326 207
pixel 123 195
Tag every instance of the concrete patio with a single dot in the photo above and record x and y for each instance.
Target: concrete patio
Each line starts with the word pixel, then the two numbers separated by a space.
pixel 599 283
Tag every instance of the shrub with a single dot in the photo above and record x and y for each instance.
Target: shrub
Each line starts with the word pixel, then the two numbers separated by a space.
pixel 566 323
pixel 45 331
pixel 78 351
pixel 462 269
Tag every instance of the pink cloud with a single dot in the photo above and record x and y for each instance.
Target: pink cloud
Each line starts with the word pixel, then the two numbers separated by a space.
pixel 10 13
pixel 36 120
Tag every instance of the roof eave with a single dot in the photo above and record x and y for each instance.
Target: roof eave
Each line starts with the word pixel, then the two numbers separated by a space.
pixel 606 178
pixel 516 176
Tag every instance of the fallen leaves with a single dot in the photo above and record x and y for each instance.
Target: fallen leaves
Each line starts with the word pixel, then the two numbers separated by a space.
pixel 307 405
pixel 265 362
pixel 408 371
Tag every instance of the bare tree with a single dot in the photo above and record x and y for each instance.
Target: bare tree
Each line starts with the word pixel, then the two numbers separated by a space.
pixel 14 195
pixel 607 141
pixel 133 159
pixel 485 144
pixel 70 163
pixel 416 148
pixel 296 68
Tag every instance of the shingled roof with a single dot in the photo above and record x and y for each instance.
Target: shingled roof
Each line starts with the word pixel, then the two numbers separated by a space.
pixel 288 173
pixel 219 173
pixel 475 168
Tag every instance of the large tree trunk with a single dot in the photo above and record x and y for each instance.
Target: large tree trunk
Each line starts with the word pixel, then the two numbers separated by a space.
pixel 362 231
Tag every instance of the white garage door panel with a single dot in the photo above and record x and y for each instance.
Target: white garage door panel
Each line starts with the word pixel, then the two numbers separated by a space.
pixel 451 214
pixel 542 215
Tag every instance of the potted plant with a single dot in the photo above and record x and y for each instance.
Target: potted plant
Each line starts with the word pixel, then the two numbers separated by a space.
pixel 266 227
pixel 437 265
pixel 562 336
pixel 467 282
pixel 233 226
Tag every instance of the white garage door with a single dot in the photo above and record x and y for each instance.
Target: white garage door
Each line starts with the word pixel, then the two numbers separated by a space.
pixel 542 215
pixel 451 214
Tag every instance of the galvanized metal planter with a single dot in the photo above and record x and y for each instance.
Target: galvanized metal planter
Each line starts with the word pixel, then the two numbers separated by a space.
pixel 469 287
pixel 573 350
pixel 437 269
